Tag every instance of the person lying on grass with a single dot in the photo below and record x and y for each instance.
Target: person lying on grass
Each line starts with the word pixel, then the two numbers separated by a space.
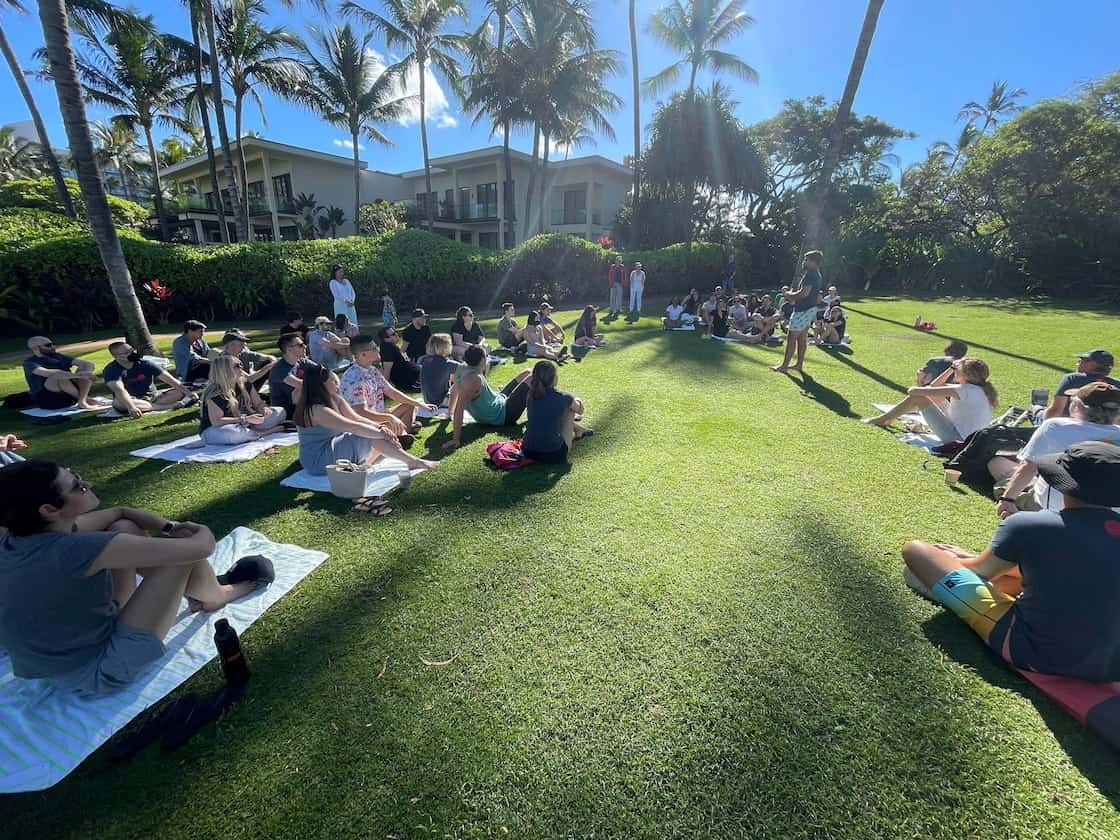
pixel 551 427
pixel 364 387
pixel 330 430
pixel 466 333
pixel 956 404
pixel 132 382
pixel 436 367
pixel 233 412
pixel 537 342
pixel 71 612
pixel 1094 411
pixel 1063 563
pixel 54 379
pixel 586 335
pixel 474 394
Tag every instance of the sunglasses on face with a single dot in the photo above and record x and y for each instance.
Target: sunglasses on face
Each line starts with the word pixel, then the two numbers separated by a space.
pixel 46 344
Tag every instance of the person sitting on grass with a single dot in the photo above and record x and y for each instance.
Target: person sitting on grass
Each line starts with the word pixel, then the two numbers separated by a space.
pixel 465 333
pixel 831 329
pixel 281 381
pixel 674 315
pixel 254 365
pixel 1094 411
pixel 586 335
pixel 415 336
pixel 739 314
pixel 705 310
pixel 330 430
pixel 553 332
pixel 324 346
pixel 765 318
pixel 956 404
pixel 365 387
pixel 191 353
pixel 1093 366
pixel 54 379
pixel 692 302
pixel 71 612
pixel 537 343
pixel 295 325
pixel 233 412
pixel 718 319
pixel 436 368
pixel 132 382
pixel 404 374
pixel 1063 563
pixel 551 427
pixel 474 394
pixel 510 336
pixel 343 328
pixel 937 365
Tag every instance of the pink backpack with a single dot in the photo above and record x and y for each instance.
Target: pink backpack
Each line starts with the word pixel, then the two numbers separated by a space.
pixel 507 455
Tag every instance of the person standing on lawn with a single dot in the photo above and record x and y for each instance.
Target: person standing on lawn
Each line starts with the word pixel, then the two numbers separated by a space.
pixel 616 282
pixel 804 300
pixel 637 287
pixel 342 290
pixel 54 379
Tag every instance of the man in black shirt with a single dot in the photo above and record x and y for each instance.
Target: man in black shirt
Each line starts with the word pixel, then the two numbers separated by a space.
pixel 55 379
pixel 1094 366
pixel 401 373
pixel 416 335
pixel 133 383
pixel 295 325
pixel 281 385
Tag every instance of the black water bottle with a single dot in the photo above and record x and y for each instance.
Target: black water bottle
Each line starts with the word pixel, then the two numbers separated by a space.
pixel 234 664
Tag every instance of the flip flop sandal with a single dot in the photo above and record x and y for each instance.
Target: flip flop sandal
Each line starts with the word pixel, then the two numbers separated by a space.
pixel 370 504
pixel 585 433
pixel 380 510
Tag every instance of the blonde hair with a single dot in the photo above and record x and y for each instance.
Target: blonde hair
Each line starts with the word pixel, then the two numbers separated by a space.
pixel 439 345
pixel 225 381
pixel 976 372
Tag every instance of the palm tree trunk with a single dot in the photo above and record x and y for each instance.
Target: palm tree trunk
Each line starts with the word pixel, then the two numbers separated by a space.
pixel 64 71
pixel 204 114
pixel 357 179
pixel 220 115
pixel 692 81
pixel 532 183
pixel 126 185
pixel 157 187
pixel 428 202
pixel 814 224
pixel 40 129
pixel 544 181
pixel 242 169
pixel 509 211
pixel 637 111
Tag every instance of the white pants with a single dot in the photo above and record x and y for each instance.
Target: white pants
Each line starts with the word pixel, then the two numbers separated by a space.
pixel 636 296
pixel 232 433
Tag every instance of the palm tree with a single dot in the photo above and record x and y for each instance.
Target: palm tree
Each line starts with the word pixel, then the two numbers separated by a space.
pixel 19 158
pixel 416 26
pixel 814 222
pixel 636 86
pixel 573 133
pixel 197 104
pixel 347 88
pixel 253 56
pixel 1000 103
pixel 968 135
pixel 135 74
pixel 234 192
pixel 695 29
pixel 40 129
pixel 64 72
pixel 334 218
pixel 118 146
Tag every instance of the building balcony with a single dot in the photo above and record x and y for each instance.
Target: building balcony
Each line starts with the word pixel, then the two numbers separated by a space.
pixel 458 213
pixel 200 204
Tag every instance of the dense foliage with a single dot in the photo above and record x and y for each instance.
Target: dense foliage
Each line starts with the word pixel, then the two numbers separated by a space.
pixel 40 193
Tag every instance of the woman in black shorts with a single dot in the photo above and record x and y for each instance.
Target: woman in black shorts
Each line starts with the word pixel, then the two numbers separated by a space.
pixel 551 428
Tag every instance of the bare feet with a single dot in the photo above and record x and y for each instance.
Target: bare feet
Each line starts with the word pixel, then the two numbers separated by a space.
pixel 779 368
pixel 229 592
pixel 876 421
pixel 426 465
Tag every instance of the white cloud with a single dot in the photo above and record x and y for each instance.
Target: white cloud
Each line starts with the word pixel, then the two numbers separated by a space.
pixel 436 104
pixel 346 144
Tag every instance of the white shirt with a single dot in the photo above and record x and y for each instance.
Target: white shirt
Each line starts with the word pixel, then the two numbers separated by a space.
pixel 969 409
pixel 342 291
pixel 674 312
pixel 1058 435
pixel 637 277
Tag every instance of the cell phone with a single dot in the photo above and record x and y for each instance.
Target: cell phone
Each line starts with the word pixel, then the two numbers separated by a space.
pixel 1040 396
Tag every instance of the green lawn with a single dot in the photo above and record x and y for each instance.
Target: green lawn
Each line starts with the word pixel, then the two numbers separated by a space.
pixel 699 630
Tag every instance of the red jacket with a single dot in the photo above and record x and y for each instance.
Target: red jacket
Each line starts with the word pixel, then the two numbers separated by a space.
pixel 613 275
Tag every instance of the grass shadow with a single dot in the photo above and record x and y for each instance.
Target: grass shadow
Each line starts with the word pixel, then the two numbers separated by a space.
pixel 834 401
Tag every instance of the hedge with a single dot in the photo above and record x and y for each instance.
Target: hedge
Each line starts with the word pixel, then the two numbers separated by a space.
pixel 39 194
pixel 55 271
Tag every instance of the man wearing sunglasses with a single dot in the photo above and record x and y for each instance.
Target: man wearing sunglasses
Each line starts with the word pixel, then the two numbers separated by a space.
pixel 282 384
pixel 132 381
pixel 54 379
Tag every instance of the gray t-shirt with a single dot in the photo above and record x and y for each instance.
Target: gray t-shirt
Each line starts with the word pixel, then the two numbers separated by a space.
pixel 54 619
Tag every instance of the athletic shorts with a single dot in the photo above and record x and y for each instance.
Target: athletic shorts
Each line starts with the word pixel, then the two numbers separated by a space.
pixel 559 456
pixel 51 400
pixel 974 600
pixel 124 658
pixel 801 321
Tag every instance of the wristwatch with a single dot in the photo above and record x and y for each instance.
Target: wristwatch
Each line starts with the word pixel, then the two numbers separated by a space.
pixel 168 527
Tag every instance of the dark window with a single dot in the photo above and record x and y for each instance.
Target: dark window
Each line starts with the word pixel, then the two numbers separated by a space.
pixel 574 209
pixel 447 206
pixel 282 187
pixel 511 207
pixel 466 236
pixel 487 201
pixel 422 200
pixel 464 206
pixel 488 240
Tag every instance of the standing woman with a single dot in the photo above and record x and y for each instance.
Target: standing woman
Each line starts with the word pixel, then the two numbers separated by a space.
pixel 637 287
pixel 551 428
pixel 342 290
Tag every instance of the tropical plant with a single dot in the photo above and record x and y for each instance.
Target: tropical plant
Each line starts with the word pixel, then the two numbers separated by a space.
pixel 381 217
pixel 573 133
pixel 233 190
pixel 118 146
pixel 332 218
pixel 416 26
pixel 175 149
pixel 695 30
pixel 255 56
pixel 19 158
pixel 347 88
pixel 132 72
pixel 306 208
pixel 1000 104
pixel 64 72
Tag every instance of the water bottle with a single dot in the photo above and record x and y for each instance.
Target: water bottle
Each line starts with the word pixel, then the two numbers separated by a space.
pixel 234 665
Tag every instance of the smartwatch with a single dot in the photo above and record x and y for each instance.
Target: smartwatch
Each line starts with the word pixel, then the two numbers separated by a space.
pixel 168 527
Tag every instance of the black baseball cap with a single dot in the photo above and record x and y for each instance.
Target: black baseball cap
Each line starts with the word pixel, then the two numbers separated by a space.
pixel 1100 357
pixel 419 313
pixel 234 335
pixel 1087 471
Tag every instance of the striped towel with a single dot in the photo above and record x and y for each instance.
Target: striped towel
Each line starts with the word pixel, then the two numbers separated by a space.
pixel 45 733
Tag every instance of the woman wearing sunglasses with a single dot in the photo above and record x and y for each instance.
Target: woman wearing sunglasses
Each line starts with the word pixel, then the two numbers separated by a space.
pixel 71 611
pixel 232 412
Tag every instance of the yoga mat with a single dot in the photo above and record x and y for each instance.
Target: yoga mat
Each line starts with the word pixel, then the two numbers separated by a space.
pixel 381 481
pixel 66 412
pixel 191 449
pixel 46 733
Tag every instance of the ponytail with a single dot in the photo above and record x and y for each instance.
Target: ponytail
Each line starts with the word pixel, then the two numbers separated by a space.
pixel 542 380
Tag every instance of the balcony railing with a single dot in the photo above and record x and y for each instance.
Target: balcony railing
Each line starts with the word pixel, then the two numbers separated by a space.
pixel 257 206
pixel 568 217
pixel 445 212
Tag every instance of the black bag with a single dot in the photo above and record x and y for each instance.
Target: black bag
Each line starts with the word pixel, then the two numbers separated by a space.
pixel 21 400
pixel 981 446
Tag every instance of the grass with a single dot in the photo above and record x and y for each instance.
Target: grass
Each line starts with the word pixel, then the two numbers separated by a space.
pixel 698 630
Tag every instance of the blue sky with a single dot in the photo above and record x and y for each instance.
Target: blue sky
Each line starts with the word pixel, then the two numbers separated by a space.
pixel 927 59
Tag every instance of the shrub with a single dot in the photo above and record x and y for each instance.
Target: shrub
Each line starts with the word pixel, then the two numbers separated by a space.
pixel 667 269
pixel 381 217
pixel 39 193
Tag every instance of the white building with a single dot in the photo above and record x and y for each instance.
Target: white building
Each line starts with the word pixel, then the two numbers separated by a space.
pixel 581 197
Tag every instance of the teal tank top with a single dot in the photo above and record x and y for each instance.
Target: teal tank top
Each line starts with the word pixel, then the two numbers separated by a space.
pixel 489 406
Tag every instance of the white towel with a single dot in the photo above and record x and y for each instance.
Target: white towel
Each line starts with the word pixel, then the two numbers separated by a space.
pixel 379 482
pixel 192 449
pixel 442 413
pixel 45 733
pixel 922 441
pixel 102 404
pixel 496 360
pixel 684 328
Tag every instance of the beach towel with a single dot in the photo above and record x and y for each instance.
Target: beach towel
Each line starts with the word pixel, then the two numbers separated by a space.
pixel 927 442
pixel 442 413
pixel 683 328
pixel 45 733
pixel 1093 705
pixel 191 449
pixel 496 360
pixel 379 482
pixel 102 404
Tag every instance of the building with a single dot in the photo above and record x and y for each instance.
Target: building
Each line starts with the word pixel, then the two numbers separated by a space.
pixel 110 174
pixel 581 198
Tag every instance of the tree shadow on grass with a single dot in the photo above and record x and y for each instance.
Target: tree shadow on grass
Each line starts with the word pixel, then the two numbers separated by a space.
pixel 845 358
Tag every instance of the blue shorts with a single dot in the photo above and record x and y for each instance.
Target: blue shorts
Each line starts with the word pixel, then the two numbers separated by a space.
pixel 979 604
pixel 124 658
pixel 801 321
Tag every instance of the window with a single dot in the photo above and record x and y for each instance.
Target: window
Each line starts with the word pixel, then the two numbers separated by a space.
pixel 511 205
pixel 488 240
pixel 464 206
pixel 573 210
pixel 282 189
pixel 255 189
pixel 466 236
pixel 422 200
pixel 487 201
pixel 447 206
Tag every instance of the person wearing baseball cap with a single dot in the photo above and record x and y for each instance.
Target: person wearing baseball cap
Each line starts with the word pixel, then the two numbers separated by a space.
pixel 416 335
pixel 554 333
pixel 254 365
pixel 1063 566
pixel 1092 366
pixel 1094 411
